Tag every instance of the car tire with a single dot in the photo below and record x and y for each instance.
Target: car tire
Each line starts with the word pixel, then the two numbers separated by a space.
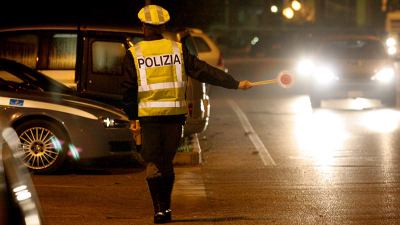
pixel 44 145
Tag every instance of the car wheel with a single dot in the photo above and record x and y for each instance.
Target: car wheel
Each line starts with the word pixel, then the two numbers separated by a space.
pixel 43 144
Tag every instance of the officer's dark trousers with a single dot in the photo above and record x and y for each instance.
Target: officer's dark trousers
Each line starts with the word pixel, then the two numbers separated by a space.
pixel 160 142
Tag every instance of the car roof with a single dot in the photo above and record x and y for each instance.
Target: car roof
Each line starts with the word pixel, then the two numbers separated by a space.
pixel 125 29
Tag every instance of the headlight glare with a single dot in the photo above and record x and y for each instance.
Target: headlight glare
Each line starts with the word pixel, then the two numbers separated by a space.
pixel 305 67
pixel 385 75
pixel 108 122
pixel 391 41
pixel 114 123
pixel 325 75
pixel 392 50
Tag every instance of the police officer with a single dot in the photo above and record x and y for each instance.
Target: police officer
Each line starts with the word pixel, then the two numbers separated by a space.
pixel 155 75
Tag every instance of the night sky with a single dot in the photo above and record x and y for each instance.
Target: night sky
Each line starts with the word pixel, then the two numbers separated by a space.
pixel 197 13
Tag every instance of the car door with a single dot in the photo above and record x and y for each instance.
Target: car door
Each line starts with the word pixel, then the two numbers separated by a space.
pixel 100 74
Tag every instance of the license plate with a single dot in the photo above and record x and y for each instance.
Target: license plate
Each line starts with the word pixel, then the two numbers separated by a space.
pixel 354 94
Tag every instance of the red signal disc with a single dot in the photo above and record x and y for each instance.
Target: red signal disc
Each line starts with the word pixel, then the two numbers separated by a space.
pixel 285 79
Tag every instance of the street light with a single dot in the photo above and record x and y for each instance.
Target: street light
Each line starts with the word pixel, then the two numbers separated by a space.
pixel 296 5
pixel 274 9
pixel 288 13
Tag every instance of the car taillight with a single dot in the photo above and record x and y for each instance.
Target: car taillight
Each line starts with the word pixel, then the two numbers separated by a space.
pixel 220 60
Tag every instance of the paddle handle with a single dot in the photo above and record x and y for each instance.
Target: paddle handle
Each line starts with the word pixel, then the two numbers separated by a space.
pixel 264 82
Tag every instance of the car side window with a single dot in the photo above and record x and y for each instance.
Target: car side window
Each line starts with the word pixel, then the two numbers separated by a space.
pixel 62 52
pixel 22 48
pixel 201 45
pixel 107 57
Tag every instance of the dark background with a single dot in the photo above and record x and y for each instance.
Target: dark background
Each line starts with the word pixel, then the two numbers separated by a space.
pixel 232 23
pixel 204 14
pixel 117 12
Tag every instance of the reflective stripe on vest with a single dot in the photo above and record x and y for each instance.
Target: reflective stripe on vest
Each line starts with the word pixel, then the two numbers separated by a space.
pixel 152 87
pixel 161 79
pixel 162 104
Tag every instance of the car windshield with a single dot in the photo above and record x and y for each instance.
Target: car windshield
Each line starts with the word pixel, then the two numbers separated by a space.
pixel 353 49
pixel 10 82
pixel 14 76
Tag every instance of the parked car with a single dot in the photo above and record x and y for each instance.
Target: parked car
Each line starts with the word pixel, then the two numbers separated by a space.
pixel 197 98
pixel 207 50
pixel 201 45
pixel 56 127
pixel 350 66
pixel 19 202
pixel 89 60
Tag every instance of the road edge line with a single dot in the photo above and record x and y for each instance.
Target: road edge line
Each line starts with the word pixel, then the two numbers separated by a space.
pixel 253 136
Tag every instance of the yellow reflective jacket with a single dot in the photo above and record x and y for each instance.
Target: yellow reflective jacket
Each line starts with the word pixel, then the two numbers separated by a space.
pixel 161 77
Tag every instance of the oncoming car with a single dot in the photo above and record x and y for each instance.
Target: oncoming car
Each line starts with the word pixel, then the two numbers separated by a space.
pixel 54 126
pixel 350 67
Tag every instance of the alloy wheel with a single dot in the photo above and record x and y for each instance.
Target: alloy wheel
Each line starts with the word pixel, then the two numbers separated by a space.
pixel 41 147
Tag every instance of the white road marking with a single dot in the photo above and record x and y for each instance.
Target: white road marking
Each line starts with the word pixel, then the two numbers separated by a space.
pixel 255 139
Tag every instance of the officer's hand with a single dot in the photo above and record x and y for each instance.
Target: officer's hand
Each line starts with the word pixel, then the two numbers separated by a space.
pixel 245 84
pixel 135 126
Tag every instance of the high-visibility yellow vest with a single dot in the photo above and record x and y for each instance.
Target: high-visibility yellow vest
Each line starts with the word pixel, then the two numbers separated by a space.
pixel 161 77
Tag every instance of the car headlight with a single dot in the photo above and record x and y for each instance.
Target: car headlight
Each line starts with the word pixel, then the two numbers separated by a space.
pixel 391 46
pixel 384 75
pixel 392 50
pixel 114 123
pixel 305 67
pixel 391 41
pixel 325 75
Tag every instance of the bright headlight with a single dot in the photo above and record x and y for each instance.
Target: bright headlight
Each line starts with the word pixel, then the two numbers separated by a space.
pixel 391 46
pixel 391 42
pixel 385 75
pixel 392 50
pixel 305 67
pixel 325 75
pixel 114 123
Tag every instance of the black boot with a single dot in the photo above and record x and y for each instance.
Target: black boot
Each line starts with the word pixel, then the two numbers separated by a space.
pixel 156 191
pixel 166 196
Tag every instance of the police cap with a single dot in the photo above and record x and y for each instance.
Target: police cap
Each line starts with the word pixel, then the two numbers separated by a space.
pixel 153 15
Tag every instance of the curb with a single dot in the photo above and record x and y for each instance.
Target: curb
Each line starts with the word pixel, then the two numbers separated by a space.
pixel 191 158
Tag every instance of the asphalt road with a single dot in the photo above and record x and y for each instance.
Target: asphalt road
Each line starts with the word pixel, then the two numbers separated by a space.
pixel 267 159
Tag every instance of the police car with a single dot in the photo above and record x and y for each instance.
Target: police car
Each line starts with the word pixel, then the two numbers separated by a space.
pixel 55 126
